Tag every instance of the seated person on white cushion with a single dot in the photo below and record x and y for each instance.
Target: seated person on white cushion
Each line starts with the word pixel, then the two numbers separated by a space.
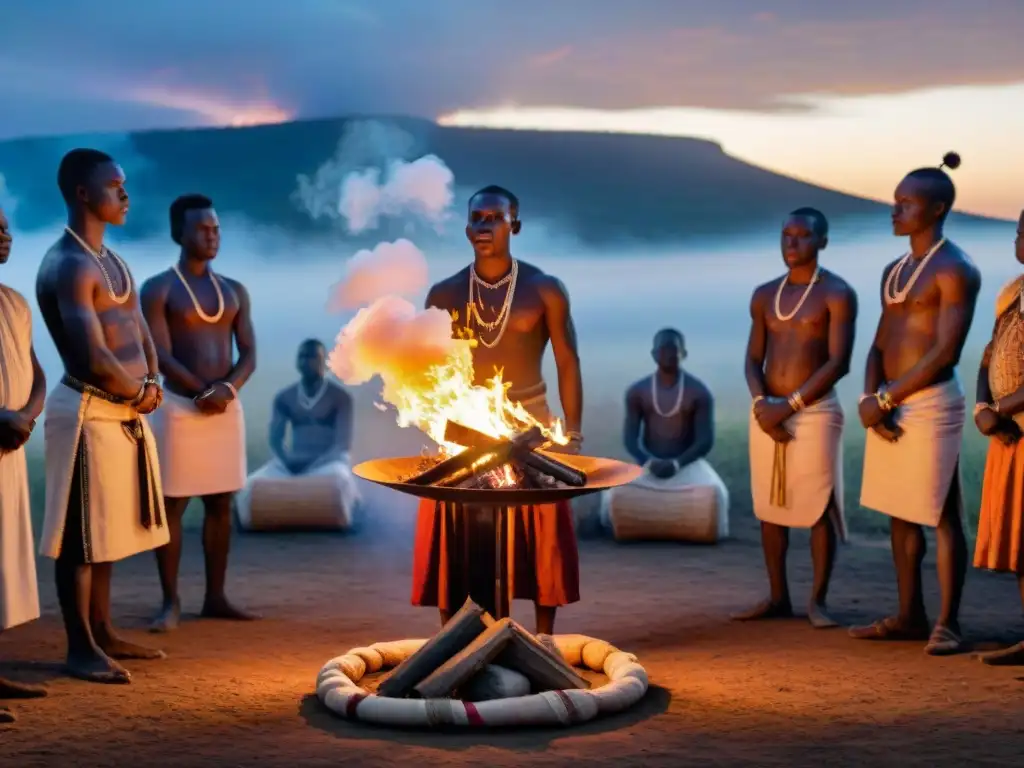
pixel 669 429
pixel 319 413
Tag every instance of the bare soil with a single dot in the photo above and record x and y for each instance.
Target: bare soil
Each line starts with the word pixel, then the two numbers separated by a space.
pixel 775 693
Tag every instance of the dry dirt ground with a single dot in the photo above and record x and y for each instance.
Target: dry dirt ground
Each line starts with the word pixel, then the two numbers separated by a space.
pixel 778 693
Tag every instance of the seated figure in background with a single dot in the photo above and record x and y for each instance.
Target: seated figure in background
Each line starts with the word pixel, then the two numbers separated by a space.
pixel 308 484
pixel 679 496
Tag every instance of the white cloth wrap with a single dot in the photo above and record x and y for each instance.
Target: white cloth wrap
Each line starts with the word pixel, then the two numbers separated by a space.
pixel 111 525
pixel 19 592
pixel 911 478
pixel 200 454
pixel 814 467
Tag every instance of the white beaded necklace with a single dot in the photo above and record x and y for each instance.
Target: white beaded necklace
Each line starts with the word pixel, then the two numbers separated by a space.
pixel 195 301
pixel 893 296
pixel 117 299
pixel 799 304
pixel 501 321
pixel 681 385
pixel 307 402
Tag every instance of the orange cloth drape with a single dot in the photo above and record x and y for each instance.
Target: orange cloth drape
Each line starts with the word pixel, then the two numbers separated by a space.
pixel 1000 544
pixel 454 555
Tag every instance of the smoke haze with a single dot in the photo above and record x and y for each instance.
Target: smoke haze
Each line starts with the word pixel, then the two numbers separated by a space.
pixel 396 269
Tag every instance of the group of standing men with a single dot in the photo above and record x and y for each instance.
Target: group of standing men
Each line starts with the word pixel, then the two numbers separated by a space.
pixel 108 496
pixel 913 408
pixel 114 487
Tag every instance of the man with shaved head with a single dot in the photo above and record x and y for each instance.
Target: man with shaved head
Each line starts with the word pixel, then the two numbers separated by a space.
pixel 669 429
pixel 801 341
pixel 513 310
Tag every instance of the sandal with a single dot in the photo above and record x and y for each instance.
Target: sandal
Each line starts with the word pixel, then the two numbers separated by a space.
pixel 943 641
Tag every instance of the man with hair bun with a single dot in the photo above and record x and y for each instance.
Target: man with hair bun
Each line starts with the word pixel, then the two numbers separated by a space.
pixel 913 408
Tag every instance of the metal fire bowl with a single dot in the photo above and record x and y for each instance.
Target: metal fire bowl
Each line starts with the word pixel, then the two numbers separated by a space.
pixel 602 474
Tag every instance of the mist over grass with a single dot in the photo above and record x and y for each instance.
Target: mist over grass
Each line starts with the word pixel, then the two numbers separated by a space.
pixel 644 233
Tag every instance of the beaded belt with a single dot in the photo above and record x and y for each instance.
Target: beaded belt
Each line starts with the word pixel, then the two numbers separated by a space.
pixel 133 430
pixel 528 396
pixel 88 389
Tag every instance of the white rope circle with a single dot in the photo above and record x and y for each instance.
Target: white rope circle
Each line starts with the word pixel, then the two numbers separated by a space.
pixel 337 687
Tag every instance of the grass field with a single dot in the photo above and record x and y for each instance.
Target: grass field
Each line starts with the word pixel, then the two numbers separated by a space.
pixel 378 436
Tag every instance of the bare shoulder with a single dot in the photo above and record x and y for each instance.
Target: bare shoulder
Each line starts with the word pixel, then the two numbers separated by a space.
pixel 698 388
pixel 764 293
pixel 837 289
pixel 955 264
pixel 157 285
pixel 284 399
pixel 235 286
pixel 548 287
pixel 339 395
pixel 637 391
pixel 448 293
pixel 63 265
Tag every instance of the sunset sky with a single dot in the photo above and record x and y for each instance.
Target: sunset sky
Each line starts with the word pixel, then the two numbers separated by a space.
pixel 849 95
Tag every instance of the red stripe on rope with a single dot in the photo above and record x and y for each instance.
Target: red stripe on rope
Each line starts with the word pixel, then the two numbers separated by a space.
pixel 472 714
pixel 353 702
pixel 569 706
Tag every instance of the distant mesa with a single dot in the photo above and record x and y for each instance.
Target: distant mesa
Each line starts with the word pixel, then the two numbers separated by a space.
pixel 601 187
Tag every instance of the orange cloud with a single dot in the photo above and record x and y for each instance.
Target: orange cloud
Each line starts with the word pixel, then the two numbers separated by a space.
pixel 212 109
pixel 548 58
pixel 762 63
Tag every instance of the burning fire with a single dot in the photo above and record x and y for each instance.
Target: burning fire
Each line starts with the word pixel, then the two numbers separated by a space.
pixel 428 374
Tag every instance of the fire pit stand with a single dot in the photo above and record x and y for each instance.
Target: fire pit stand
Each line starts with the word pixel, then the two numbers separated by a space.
pixel 600 474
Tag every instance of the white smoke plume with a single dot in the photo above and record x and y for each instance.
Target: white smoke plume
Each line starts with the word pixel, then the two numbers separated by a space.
pixel 389 269
pixel 371 177
pixel 422 188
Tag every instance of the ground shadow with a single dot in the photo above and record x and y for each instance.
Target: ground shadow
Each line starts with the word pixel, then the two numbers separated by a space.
pixel 33 672
pixel 317 716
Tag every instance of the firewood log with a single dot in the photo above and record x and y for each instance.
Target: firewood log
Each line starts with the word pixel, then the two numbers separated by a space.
pixel 459 632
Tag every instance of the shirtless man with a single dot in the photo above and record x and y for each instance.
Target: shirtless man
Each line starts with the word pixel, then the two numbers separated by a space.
pixel 913 408
pixel 103 500
pixel 319 413
pixel 22 390
pixel 801 340
pixel 513 310
pixel 669 429
pixel 197 319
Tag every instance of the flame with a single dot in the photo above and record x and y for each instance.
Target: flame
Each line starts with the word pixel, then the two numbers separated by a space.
pixel 427 375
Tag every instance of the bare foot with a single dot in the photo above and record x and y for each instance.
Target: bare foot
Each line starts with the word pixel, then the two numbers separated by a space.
pixel 891 628
pixel 118 648
pixel 96 667
pixel 1007 657
pixel 12 690
pixel 220 608
pixel 168 618
pixel 766 609
pixel 6 716
pixel 819 618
